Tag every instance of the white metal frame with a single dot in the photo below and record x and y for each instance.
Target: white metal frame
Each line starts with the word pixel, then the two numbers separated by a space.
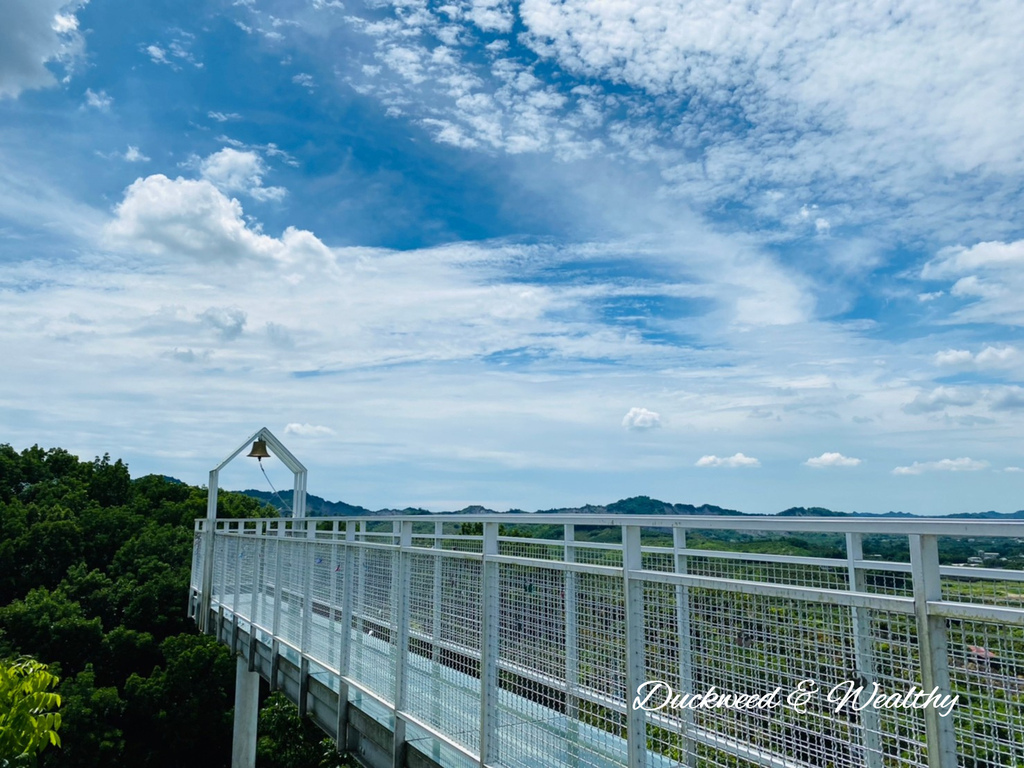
pixel 276 448
pixel 922 610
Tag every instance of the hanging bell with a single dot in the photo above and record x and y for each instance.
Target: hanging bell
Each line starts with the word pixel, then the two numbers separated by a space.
pixel 259 450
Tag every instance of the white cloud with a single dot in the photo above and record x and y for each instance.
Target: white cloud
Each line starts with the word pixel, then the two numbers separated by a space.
pixel 178 49
pixel 307 430
pixel 832 460
pixel 944 465
pixel 305 80
pixel 239 171
pixel 34 33
pixel 182 217
pixel 133 155
pixel 157 54
pixel 223 117
pixel 863 104
pixel 736 460
pixel 188 355
pixel 1013 469
pixel 1006 399
pixel 98 100
pixel 954 358
pixel 641 419
pixel 988 276
pixel 229 322
pixel 997 357
pixel 938 400
pixel 990 357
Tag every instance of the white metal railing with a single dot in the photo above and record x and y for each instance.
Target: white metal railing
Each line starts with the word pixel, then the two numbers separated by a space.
pixel 524 643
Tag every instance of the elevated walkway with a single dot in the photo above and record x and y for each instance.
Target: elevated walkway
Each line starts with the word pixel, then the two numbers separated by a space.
pixel 521 640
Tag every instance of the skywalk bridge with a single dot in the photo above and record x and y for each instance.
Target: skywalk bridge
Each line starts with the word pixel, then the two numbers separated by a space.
pixel 520 640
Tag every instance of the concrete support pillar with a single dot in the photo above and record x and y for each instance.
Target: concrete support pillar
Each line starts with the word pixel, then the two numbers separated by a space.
pixel 247 708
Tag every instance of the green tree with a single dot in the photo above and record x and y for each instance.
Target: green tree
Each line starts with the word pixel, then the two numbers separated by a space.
pixel 289 741
pixel 28 711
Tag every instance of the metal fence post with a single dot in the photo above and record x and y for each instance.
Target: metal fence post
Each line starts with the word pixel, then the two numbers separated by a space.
pixel 275 631
pixel 308 559
pixel 401 600
pixel 931 639
pixel 572 666
pixel 206 598
pixel 685 646
pixel 435 637
pixel 257 569
pixel 333 565
pixel 633 593
pixel 871 737
pixel 239 554
pixel 490 616
pixel 345 644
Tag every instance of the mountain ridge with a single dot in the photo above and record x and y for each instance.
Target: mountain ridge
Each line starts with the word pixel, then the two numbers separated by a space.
pixel 317 506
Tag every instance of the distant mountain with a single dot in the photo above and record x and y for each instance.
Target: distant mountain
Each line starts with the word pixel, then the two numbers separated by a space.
pixel 317 506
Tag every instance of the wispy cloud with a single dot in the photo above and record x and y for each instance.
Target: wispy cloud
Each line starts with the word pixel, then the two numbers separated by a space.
pixel 641 419
pixel 232 170
pixel 963 464
pixel 33 35
pixel 223 117
pixel 307 430
pixel 832 460
pixel 98 100
pixel 736 460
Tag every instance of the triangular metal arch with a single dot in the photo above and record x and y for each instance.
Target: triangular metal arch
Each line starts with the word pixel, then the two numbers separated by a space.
pixel 276 447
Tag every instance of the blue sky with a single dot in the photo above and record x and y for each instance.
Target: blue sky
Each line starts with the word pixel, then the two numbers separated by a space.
pixel 524 255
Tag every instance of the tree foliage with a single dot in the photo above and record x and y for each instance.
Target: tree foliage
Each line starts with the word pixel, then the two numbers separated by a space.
pixel 94 574
pixel 287 740
pixel 28 711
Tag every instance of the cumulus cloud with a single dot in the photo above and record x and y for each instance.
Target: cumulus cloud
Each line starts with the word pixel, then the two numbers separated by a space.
pixel 189 355
pixel 641 419
pixel 232 170
pixel 34 33
pixel 988 276
pixel 990 357
pixel 939 399
pixel 133 155
pixel 963 464
pixel 307 430
pixel 98 100
pixel 736 460
pixel 183 217
pixel 832 460
pixel 1007 399
pixel 229 322
pixel 157 54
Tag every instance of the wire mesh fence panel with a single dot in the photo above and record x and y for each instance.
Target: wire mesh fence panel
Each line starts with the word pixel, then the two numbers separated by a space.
pixel 220 567
pixel 987 673
pixel 798 574
pixel 849 629
pixel 319 641
pixel 293 567
pixel 372 659
pixel 248 565
pixel 443 677
pixel 197 559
